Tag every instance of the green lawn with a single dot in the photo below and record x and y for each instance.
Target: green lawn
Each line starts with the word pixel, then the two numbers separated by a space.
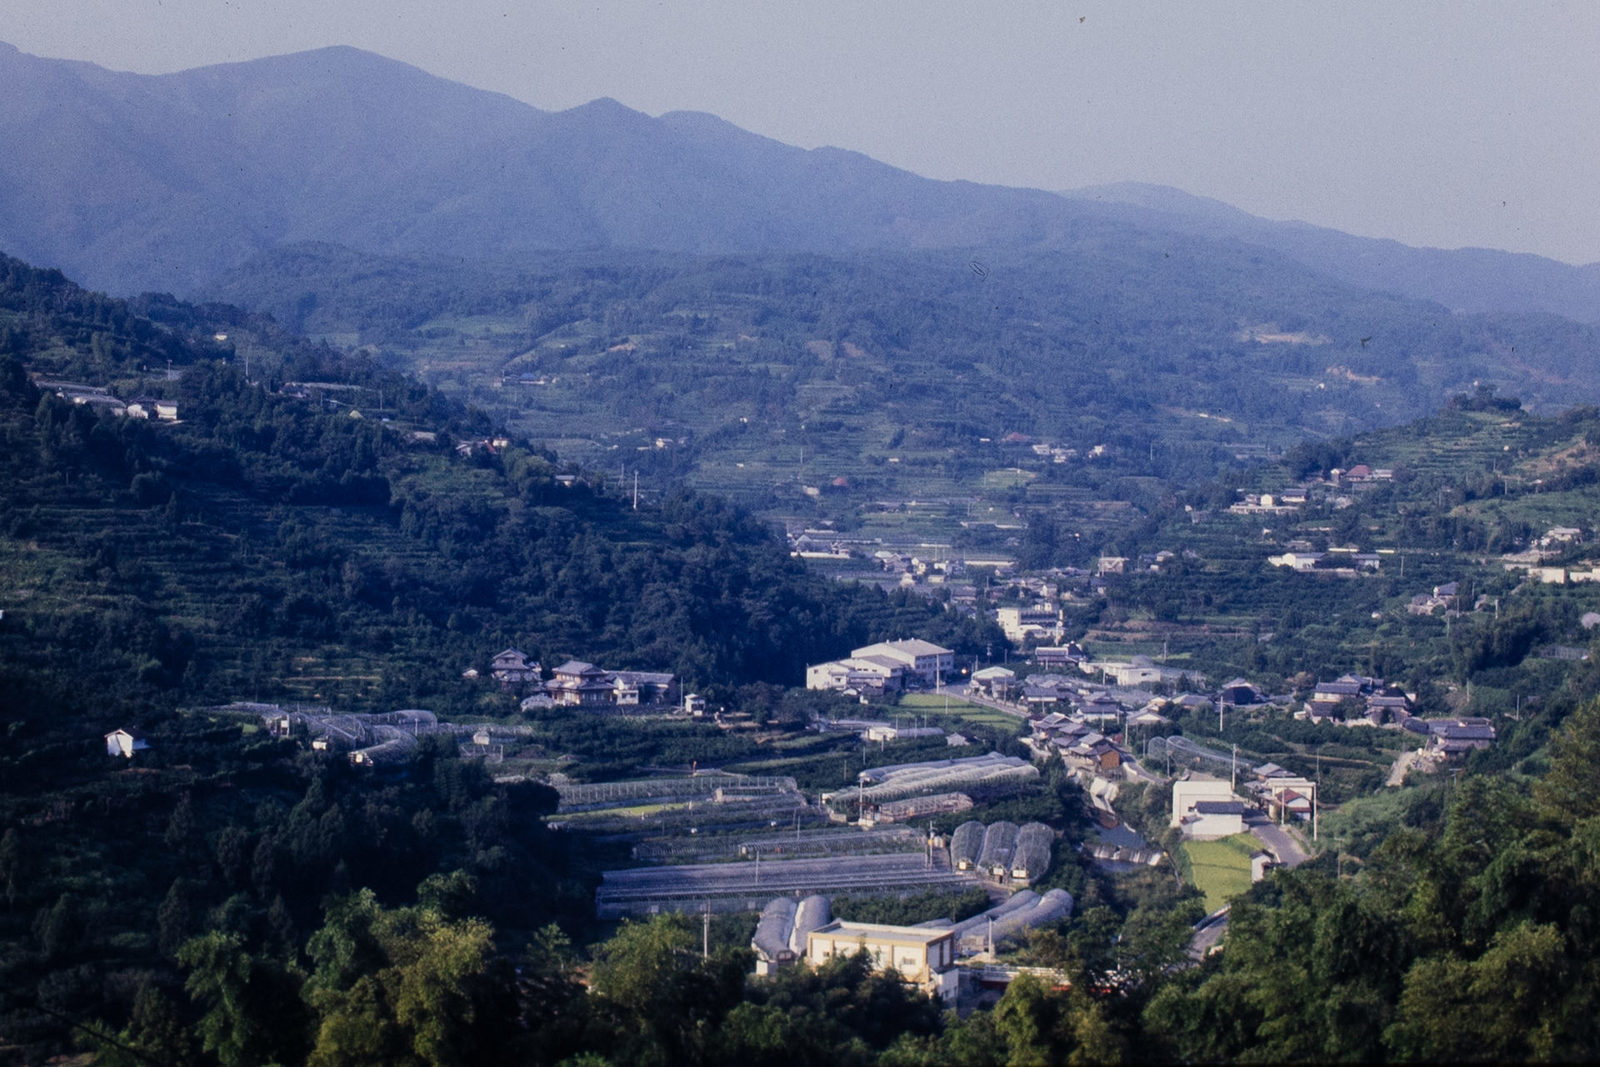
pixel 1221 869
pixel 939 704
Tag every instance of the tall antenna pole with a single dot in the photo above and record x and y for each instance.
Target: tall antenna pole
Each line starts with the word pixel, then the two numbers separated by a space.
pixel 705 937
pixel 635 490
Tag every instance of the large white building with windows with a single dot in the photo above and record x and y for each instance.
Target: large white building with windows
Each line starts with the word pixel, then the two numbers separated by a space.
pixel 878 674
pixel 923 660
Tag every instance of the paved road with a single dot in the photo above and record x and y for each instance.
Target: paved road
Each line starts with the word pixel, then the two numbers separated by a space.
pixel 1207 933
pixel 1135 770
pixel 1279 841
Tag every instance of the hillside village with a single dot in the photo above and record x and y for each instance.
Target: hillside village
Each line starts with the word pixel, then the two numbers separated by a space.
pixel 667 596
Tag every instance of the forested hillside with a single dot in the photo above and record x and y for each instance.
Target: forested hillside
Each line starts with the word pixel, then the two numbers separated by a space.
pixel 273 524
pixel 818 385
pixel 1468 935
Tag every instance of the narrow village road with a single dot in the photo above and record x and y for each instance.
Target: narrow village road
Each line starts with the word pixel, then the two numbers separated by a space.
pixel 1207 933
pixel 1402 764
pixel 1279 841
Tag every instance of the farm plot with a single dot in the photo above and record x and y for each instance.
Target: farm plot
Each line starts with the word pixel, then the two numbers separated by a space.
pixel 935 704
pixel 835 842
pixel 749 886
pixel 710 802
pixel 1221 869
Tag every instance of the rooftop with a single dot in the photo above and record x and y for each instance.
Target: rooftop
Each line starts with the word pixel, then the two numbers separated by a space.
pixel 883 932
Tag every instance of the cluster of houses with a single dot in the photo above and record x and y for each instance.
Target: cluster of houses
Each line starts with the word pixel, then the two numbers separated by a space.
pixel 1080 745
pixel 1048 689
pixel 99 398
pixel 1270 503
pixel 1355 699
pixel 1056 453
pixel 884 669
pixel 1443 596
pixel 1205 809
pixel 1082 723
pixel 1553 542
pixel 577 684
pixel 1358 478
pixel 1451 737
pixel 1359 700
pixel 1145 562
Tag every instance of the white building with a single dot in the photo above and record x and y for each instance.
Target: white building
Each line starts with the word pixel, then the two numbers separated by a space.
pixel 1185 795
pixel 859 674
pixel 1138 671
pixel 125 743
pixel 1031 623
pixel 923 659
pixel 1213 819
pixel 1296 561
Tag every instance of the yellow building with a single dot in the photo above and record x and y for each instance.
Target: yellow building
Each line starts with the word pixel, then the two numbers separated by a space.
pixel 922 956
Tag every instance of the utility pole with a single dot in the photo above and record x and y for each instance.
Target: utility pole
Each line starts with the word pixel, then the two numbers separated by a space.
pixel 705 937
pixel 635 490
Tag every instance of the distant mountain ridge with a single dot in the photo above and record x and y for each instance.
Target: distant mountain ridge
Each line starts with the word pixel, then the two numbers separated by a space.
pixel 1464 279
pixel 136 182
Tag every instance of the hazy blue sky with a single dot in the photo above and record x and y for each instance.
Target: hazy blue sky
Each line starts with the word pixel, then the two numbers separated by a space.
pixel 1446 124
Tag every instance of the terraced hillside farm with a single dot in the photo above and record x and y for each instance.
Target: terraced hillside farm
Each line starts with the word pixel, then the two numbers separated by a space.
pixel 804 386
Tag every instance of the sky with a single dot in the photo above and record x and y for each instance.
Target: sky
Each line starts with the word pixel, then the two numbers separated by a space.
pixel 1443 124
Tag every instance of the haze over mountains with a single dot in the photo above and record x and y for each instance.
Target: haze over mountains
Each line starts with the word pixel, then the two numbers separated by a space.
pixel 1466 279
pixel 133 182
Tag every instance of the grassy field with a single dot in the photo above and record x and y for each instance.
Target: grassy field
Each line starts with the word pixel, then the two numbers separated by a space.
pixel 937 704
pixel 1221 869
